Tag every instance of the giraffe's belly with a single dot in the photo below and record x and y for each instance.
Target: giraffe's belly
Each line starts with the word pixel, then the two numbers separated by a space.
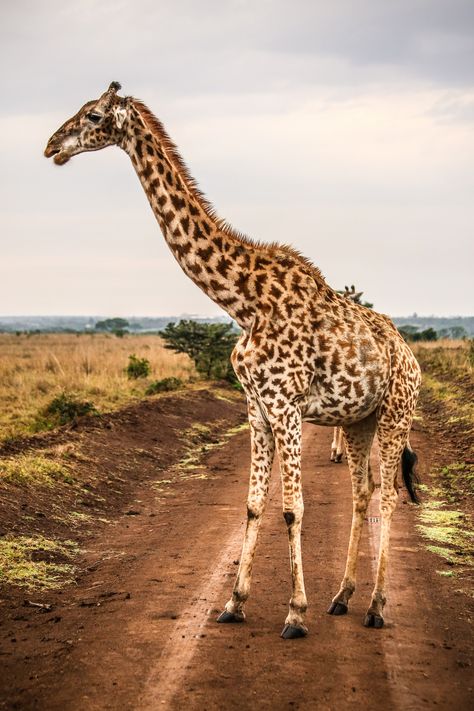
pixel 356 402
pixel 318 416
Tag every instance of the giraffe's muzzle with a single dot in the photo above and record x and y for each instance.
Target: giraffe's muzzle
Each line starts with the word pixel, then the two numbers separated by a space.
pixel 57 154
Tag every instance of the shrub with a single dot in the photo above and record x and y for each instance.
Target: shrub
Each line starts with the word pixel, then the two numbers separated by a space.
pixel 62 409
pixel 164 386
pixel 119 332
pixel 137 367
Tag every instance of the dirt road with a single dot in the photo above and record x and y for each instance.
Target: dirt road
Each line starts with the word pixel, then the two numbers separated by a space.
pixel 138 631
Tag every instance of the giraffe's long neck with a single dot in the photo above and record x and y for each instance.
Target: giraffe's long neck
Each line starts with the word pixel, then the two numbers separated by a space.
pixel 219 262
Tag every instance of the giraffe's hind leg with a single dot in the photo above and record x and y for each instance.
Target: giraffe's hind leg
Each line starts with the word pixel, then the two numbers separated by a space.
pixel 393 428
pixel 359 438
pixel 391 444
pixel 340 445
pixel 337 445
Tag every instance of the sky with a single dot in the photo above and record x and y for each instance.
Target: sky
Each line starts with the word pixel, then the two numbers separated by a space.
pixel 344 128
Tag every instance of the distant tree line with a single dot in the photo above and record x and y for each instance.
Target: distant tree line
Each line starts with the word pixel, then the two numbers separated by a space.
pixel 413 333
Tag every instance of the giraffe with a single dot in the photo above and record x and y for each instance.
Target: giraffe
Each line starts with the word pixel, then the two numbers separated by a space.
pixel 337 445
pixel 306 353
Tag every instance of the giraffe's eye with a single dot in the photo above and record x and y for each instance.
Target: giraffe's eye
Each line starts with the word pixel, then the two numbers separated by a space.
pixel 94 117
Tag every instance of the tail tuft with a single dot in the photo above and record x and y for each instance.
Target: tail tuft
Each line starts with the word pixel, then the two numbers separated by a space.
pixel 410 477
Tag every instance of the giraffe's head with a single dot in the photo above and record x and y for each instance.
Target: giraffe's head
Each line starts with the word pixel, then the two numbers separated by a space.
pixel 97 124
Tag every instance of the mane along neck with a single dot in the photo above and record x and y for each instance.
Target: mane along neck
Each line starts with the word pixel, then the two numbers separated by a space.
pixel 235 272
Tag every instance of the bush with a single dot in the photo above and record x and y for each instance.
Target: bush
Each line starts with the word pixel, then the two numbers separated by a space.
pixel 62 409
pixel 164 386
pixel 208 344
pixel 137 367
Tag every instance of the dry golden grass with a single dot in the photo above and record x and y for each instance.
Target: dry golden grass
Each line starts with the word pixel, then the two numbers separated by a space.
pixel 445 343
pixel 34 369
pixel 450 355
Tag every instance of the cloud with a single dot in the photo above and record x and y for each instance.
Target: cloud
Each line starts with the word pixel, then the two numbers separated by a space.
pixel 343 128
pixel 63 51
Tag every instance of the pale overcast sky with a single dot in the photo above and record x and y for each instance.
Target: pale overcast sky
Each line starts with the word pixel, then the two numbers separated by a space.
pixel 342 127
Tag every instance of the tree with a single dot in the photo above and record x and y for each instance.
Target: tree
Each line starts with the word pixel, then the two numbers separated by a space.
pixel 411 333
pixel 458 332
pixel 113 325
pixel 429 334
pixel 209 345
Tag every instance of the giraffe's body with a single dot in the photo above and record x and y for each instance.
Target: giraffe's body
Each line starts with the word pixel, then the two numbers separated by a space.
pixel 306 352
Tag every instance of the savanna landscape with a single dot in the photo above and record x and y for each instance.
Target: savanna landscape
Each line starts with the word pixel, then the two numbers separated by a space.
pixel 120 533
pixel 227 480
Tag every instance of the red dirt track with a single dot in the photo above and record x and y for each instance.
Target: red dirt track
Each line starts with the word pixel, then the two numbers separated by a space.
pixel 138 631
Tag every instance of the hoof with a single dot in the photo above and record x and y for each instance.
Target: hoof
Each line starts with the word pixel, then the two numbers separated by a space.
pixel 337 608
pixel 292 632
pixel 338 459
pixel 372 620
pixel 229 617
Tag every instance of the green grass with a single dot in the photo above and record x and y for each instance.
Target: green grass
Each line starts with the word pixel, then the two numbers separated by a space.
pixel 34 469
pixel 29 561
pixel 164 385
pixel 450 530
pixel 459 475
pixel 201 439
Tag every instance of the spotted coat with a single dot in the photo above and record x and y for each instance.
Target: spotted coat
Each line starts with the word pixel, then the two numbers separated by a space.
pixel 305 354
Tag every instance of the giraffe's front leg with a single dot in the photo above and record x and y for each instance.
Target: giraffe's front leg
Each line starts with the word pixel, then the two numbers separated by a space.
pixel 263 448
pixel 288 439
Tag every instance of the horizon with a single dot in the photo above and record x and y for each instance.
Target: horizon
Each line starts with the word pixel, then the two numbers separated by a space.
pixel 185 315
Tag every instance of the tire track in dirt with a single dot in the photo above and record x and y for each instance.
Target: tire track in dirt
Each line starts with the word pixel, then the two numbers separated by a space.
pixel 170 670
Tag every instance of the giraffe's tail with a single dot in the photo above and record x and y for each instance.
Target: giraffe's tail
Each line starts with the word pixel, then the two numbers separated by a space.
pixel 410 477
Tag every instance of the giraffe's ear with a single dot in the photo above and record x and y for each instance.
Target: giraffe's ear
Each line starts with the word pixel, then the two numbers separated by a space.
pixel 120 114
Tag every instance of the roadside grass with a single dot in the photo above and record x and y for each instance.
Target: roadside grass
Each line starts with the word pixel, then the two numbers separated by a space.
pixel 49 487
pixel 446 355
pixel 34 470
pixel 447 408
pixel 37 369
pixel 450 534
pixel 459 475
pixel 36 562
pixel 53 465
pixel 200 440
